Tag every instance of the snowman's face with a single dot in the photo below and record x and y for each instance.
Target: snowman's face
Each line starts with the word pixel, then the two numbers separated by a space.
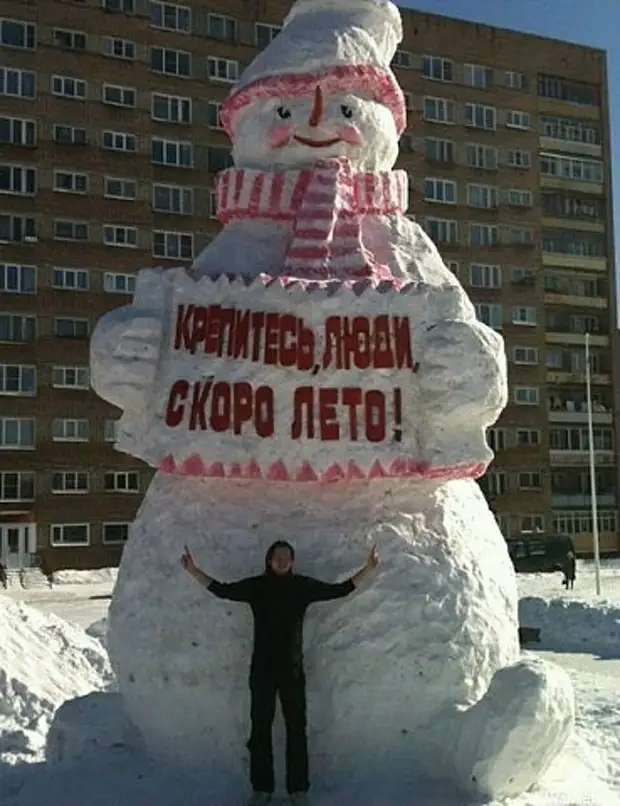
pixel 280 133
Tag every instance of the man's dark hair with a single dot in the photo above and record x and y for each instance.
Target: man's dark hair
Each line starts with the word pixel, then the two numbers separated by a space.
pixel 279 544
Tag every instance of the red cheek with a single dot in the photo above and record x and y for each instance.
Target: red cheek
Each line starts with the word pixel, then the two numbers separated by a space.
pixel 350 134
pixel 280 135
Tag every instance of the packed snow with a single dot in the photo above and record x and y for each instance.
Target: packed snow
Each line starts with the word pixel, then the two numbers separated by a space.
pixel 46 661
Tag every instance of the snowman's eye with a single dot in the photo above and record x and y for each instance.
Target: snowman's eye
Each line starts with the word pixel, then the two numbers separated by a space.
pixel 283 112
pixel 346 111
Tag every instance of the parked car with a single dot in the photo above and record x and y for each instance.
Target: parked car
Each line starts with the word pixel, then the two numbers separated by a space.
pixel 539 552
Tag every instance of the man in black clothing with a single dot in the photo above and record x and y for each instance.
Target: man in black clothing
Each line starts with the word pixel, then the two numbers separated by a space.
pixel 279 599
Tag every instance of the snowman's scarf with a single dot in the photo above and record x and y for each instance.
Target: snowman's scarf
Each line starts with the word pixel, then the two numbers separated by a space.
pixel 326 206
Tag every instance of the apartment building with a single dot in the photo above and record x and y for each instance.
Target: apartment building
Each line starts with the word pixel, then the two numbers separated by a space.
pixel 110 141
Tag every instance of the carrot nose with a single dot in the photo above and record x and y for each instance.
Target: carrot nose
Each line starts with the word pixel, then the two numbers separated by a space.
pixel 317 109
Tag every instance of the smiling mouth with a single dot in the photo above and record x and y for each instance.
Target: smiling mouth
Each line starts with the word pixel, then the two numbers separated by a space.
pixel 305 141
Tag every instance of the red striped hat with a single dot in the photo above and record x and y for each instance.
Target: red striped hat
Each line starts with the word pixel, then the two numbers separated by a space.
pixel 343 45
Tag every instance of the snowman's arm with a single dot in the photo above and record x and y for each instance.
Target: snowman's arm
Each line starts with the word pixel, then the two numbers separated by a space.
pixel 126 344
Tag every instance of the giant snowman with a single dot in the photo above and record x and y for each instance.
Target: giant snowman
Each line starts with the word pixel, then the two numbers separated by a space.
pixel 319 375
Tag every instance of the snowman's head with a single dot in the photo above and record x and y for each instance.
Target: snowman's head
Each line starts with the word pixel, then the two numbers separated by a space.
pixel 276 133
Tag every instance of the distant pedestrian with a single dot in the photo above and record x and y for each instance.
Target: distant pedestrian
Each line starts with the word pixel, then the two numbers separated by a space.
pixel 569 569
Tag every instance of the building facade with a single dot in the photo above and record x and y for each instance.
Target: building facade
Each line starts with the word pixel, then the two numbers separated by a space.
pixel 110 141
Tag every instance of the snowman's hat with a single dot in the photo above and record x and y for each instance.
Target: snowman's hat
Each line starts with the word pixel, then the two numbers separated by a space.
pixel 343 45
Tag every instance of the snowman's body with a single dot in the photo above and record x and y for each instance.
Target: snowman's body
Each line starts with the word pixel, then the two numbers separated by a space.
pixel 419 671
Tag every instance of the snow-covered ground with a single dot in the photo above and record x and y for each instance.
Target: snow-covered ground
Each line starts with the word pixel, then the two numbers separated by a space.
pixel 47 657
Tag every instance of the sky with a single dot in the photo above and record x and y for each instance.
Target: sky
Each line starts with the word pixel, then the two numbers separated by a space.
pixel 596 24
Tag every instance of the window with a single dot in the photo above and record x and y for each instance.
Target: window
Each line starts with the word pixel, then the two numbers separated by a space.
pixel 572 92
pixel 18 132
pixel 110 430
pixel 176 153
pixel 517 120
pixel 579 170
pixel 485 276
pixel 532 523
pixel 478 76
pixel 574 131
pixel 557 204
pixel 70 182
pixel 576 522
pixel 122 482
pixel 125 6
pixel 68 87
pixel 520 198
pixel 402 59
pixel 514 80
pixel 577 439
pixel 525 355
pixel 225 70
pixel 213 115
pixel 173 245
pixel 115 533
pixel 480 117
pixel 528 436
pixel 437 69
pixel 526 395
pixel 19 380
pixel 171 17
pixel 171 108
pixel 442 230
pixel 69 135
pixel 17 229
pixel 67 430
pixel 120 236
pixel 69 534
pixel 517 158
pixel 114 188
pixel 265 34
pixel 70 481
pixel 519 236
pixel 118 141
pixel 439 110
pixel 114 283
pixel 17 279
pixel 494 484
pixel 18 180
pixel 483 235
pixel 18 34
pixel 16 486
pixel 496 438
pixel 17 83
pixel 220 158
pixel 70 377
pixel 17 433
pixel 70 279
pixel 119 96
pixel 524 316
pixel 119 48
pixel 69 40
pixel 171 62
pixel 17 328
pixel 173 199
pixel 212 204
pixel 491 315
pixel 484 157
pixel 482 196
pixel 65 328
pixel 440 190
pixel 70 230
pixel 438 150
pixel 221 27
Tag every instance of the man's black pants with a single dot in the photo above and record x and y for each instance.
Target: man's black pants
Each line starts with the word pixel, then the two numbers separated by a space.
pixel 290 685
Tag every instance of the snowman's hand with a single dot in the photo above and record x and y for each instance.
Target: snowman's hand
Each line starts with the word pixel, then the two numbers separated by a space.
pixel 124 355
pixel 462 368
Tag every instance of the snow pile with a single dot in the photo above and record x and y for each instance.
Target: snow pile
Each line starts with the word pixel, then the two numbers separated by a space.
pixel 98 630
pixel 43 662
pixel 569 625
pixel 99 576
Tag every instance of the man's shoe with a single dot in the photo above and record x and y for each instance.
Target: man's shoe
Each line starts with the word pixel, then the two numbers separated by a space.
pixel 299 799
pixel 259 798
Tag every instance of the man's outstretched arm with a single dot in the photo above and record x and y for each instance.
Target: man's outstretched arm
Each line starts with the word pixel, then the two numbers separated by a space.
pixel 240 591
pixel 325 591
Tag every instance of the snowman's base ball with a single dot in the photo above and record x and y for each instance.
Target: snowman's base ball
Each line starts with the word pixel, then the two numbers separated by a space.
pixel 388 668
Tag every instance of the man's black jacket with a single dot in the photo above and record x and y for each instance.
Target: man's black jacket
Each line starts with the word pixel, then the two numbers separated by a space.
pixel 279 604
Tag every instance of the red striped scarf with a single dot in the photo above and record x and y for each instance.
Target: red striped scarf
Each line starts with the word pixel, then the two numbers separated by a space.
pixel 325 205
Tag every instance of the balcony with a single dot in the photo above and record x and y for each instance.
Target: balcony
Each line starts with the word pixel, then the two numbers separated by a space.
pixel 567 109
pixel 563 500
pixel 563 261
pixel 553 298
pixel 570 147
pixel 598 225
pixel 580 458
pixel 566 337
pixel 580 416
pixel 562 376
